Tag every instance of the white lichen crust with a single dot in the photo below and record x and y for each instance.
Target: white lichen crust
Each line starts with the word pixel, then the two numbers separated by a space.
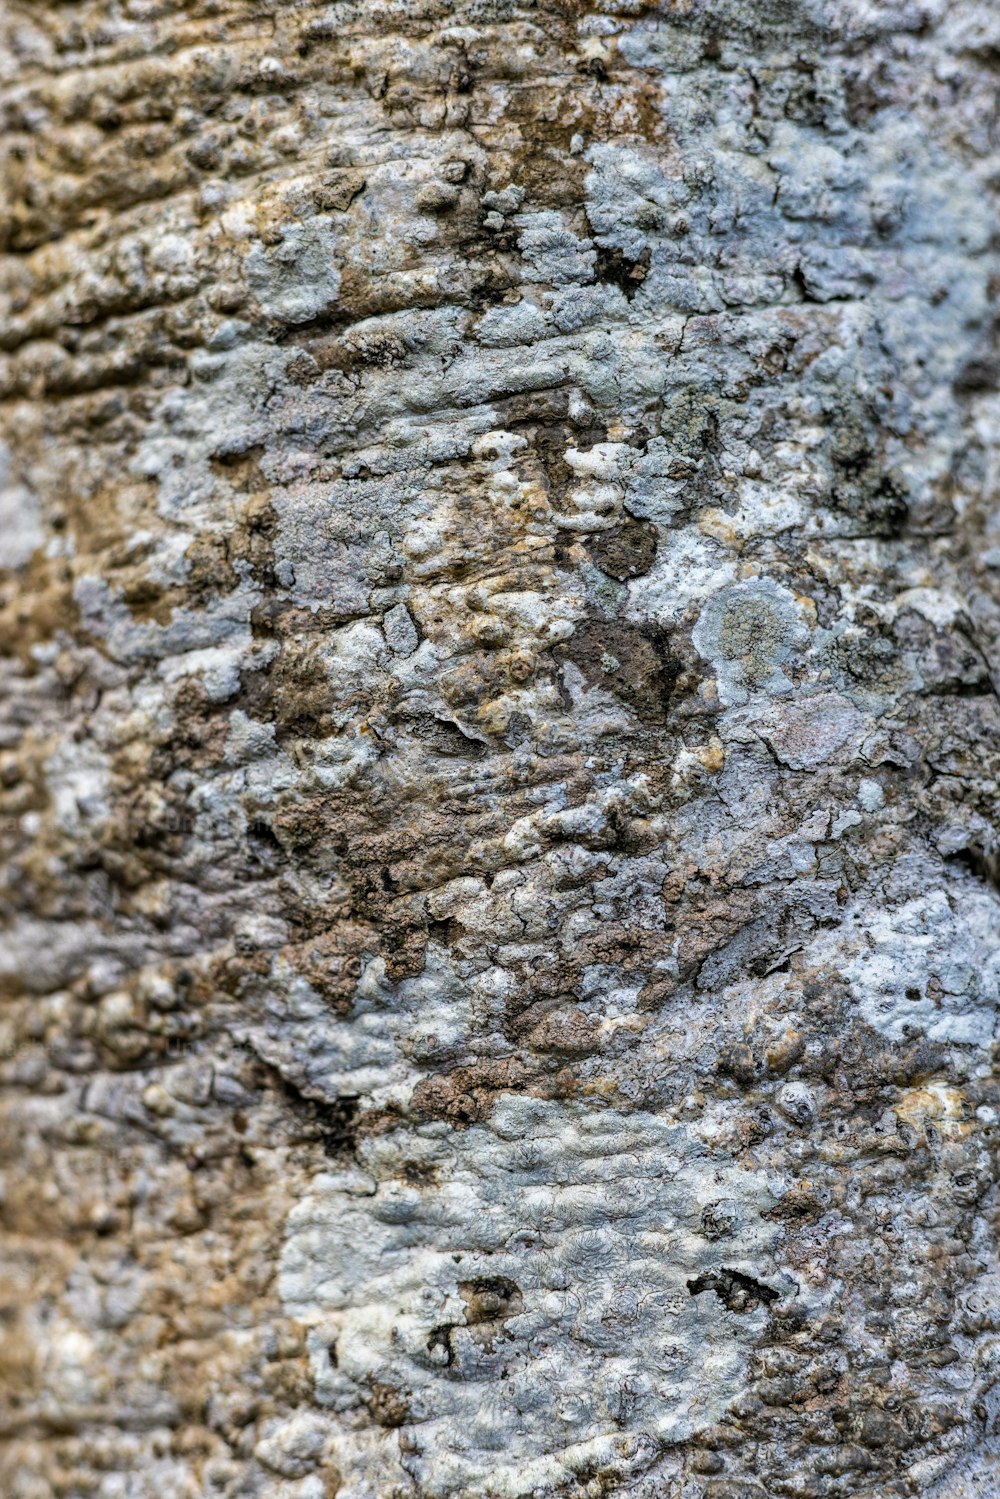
pixel 534 1355
pixel 499 755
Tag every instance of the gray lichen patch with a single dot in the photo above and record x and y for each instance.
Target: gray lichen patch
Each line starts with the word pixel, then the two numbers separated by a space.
pixel 543 1293
pixel 811 730
pixel 928 963
pixel 296 278
pixel 748 632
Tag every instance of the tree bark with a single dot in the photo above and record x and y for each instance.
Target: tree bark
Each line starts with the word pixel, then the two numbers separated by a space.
pixel 500 756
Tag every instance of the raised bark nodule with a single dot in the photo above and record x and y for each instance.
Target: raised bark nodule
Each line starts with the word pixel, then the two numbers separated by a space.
pixel 499 749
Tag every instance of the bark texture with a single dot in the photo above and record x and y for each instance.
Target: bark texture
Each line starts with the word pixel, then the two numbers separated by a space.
pixel 499 767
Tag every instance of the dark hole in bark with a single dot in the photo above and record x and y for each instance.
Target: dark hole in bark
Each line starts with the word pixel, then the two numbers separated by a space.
pixel 336 1123
pixel 984 863
pixel 736 1291
pixel 440 1337
pixel 615 268
pixel 490 1298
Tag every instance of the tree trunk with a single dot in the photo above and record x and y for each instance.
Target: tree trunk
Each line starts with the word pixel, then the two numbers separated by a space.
pixel 500 749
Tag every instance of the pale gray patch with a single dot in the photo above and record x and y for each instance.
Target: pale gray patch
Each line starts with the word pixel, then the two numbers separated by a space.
pixel 810 731
pixel 929 964
pixel 297 279
pixel 583 1234
pixel 21 532
pixel 400 631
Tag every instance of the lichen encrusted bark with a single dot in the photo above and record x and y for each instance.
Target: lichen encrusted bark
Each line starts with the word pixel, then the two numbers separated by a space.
pixel 499 762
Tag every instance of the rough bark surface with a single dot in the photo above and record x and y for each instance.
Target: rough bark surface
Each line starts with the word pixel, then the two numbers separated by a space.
pixel 500 749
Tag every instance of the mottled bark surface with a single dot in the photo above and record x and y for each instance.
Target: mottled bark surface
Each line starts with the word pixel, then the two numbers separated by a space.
pixel 499 758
